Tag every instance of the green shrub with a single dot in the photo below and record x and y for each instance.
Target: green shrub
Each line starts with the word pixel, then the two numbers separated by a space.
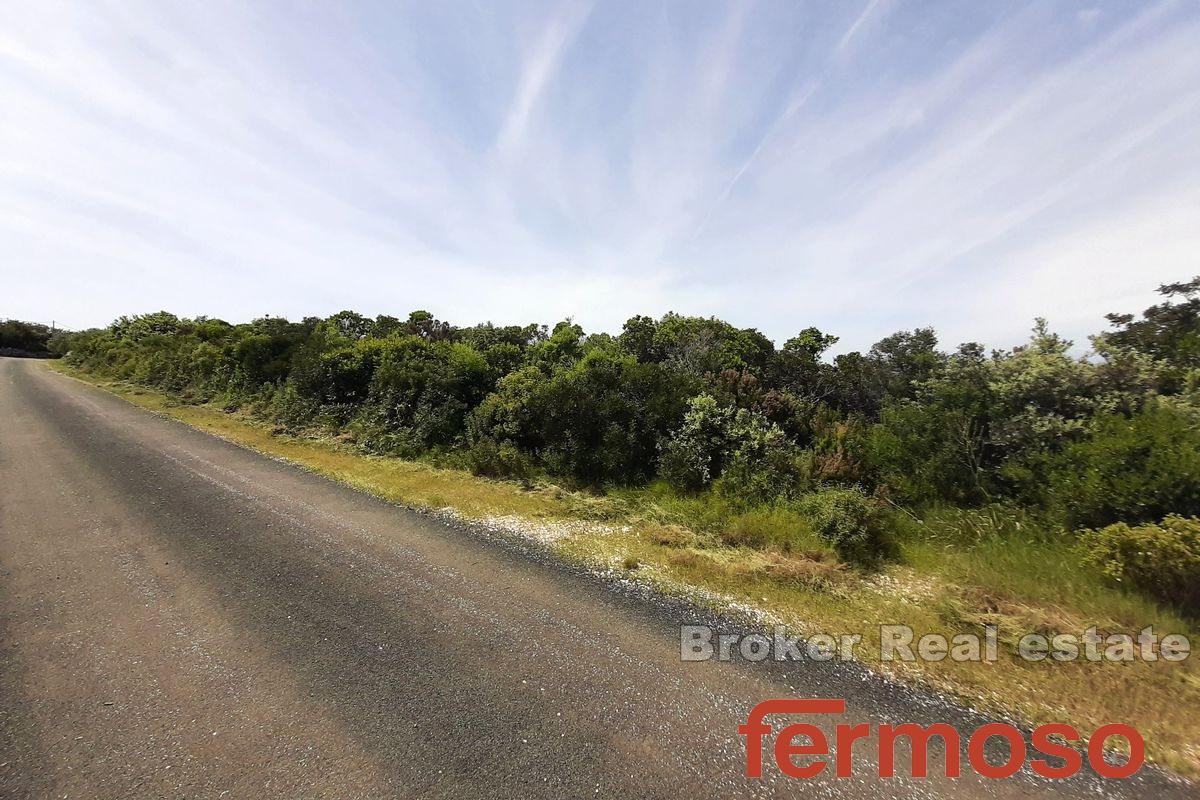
pixel 848 520
pixel 1160 560
pixel 693 455
pixel 339 375
pixel 1135 469
pixel 926 453
pixel 28 337
pixel 597 421
pixel 493 459
pixel 371 430
pixel 427 388
pixel 765 466
pixel 290 408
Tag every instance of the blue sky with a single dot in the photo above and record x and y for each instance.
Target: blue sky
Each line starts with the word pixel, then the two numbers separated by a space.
pixel 864 166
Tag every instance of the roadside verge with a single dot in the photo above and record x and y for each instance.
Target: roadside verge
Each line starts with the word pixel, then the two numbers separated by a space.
pixel 629 536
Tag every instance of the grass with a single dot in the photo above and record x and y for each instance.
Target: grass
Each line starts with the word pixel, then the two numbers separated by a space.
pixel 956 570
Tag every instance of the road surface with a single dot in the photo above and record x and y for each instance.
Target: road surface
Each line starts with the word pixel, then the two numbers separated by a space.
pixel 180 617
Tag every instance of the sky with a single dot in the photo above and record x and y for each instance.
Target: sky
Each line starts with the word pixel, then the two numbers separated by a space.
pixel 863 166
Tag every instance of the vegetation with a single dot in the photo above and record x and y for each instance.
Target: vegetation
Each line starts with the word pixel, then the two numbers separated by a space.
pixel 19 338
pixel 949 571
pixel 1162 560
pixel 1027 488
pixel 718 411
pixel 849 521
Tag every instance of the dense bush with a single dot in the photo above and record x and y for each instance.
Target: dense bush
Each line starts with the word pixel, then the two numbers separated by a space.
pixel 848 520
pixel 427 388
pixel 1161 560
pixel 1132 469
pixel 288 407
pixel 693 456
pixel 717 411
pixel 935 447
pixel 597 420
pixel 28 338
pixel 764 464
pixel 499 460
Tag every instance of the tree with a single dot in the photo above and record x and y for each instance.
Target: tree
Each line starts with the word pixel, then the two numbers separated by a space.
pixel 563 347
pixel 140 326
pixel 638 338
pixel 703 345
pixel 424 325
pixel 906 360
pixel 1041 397
pixel 935 446
pixel 1167 331
pixel 25 337
pixel 798 368
pixel 349 325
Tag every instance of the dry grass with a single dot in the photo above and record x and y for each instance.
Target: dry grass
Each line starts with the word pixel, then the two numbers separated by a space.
pixel 950 581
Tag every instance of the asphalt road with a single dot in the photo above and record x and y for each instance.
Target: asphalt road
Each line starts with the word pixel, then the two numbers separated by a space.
pixel 180 617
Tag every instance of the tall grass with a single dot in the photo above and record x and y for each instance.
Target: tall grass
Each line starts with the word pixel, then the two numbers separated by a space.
pixel 1017 557
pixel 778 527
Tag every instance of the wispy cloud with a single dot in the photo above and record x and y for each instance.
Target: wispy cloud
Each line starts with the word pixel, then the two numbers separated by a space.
pixel 538 68
pixel 859 168
pixel 870 11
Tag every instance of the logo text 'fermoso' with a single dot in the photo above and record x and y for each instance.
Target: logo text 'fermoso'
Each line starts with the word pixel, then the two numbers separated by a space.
pixel 810 744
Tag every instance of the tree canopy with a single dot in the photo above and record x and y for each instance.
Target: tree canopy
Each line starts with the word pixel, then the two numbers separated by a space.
pixel 698 402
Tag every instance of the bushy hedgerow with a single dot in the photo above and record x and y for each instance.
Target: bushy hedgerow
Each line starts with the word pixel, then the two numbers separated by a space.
pixel 428 388
pixel 597 421
pixel 711 407
pixel 289 407
pixel 24 337
pixel 1162 560
pixel 1133 469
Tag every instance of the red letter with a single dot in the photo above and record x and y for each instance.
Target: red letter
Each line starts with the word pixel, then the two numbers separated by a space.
pixel 755 729
pixel 785 748
pixel 1016 754
pixel 1137 751
pixel 918 738
pixel 1046 746
pixel 846 736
